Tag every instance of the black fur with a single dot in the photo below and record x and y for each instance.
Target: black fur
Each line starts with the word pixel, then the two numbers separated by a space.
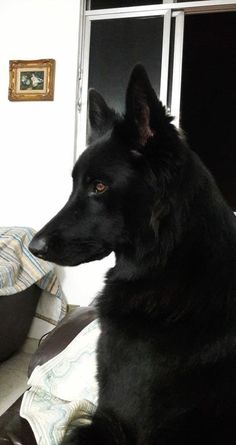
pixel 167 351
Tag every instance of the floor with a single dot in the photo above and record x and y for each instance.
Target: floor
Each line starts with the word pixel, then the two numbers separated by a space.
pixel 13 377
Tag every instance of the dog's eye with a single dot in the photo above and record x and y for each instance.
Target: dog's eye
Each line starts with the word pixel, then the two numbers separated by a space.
pixel 99 187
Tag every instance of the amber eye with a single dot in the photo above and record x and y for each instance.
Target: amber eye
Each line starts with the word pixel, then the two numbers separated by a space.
pixel 99 187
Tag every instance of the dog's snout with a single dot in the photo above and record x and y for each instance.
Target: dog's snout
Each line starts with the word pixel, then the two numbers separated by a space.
pixel 39 247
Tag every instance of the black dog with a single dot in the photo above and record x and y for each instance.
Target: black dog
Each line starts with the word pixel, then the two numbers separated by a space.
pixel 167 351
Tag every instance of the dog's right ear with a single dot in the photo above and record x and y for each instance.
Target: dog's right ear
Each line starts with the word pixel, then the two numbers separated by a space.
pixel 101 117
pixel 144 111
pixel 141 104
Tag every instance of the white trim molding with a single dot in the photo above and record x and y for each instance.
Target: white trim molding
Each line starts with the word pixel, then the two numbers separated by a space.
pixel 177 67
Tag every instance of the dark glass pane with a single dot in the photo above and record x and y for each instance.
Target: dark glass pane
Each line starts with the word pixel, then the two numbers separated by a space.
pixel 104 4
pixel 116 47
pixel 208 104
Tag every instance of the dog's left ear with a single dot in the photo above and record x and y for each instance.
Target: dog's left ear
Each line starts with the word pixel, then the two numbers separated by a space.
pixel 141 104
pixel 101 116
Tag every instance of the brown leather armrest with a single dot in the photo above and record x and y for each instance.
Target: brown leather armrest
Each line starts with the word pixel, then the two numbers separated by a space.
pixel 13 429
pixel 19 432
pixel 62 335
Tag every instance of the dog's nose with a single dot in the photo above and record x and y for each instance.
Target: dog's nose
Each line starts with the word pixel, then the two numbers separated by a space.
pixel 39 247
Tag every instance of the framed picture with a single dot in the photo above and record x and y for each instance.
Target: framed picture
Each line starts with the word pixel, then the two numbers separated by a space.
pixel 31 79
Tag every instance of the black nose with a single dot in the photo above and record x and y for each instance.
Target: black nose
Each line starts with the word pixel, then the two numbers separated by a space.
pixel 39 247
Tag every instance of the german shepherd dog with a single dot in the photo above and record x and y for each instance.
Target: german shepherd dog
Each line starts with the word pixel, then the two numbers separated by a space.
pixel 167 350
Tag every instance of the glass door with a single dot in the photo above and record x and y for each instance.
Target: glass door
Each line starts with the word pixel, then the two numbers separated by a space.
pixel 114 39
pixel 113 44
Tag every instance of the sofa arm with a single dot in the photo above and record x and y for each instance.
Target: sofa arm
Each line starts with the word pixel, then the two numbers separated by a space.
pixel 13 429
pixel 62 335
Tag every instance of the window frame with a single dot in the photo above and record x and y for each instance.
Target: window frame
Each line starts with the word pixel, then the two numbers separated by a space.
pixel 168 11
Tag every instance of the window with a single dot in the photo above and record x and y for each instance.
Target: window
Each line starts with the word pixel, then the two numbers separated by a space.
pixel 109 70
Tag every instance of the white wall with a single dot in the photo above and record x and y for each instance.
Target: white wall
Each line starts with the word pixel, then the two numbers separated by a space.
pixel 37 138
pixel 81 284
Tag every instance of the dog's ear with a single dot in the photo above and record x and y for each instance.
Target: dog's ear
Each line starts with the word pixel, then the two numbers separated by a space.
pixel 101 117
pixel 142 105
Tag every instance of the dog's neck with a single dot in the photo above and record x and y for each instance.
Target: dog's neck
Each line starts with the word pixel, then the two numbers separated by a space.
pixel 166 294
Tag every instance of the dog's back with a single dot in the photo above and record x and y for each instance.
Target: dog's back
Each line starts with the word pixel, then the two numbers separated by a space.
pixel 166 355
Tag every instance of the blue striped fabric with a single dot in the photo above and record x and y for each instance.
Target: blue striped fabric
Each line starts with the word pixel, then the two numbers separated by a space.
pixel 19 269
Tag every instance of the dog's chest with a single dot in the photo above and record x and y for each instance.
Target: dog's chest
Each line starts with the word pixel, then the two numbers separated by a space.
pixel 133 374
pixel 140 378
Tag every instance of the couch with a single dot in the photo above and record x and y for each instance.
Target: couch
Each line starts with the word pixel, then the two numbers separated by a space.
pixel 14 429
pixel 17 312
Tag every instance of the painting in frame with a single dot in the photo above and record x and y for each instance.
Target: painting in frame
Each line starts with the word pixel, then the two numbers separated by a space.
pixel 31 79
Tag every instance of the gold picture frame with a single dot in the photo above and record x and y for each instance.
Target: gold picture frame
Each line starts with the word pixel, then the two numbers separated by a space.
pixel 31 79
